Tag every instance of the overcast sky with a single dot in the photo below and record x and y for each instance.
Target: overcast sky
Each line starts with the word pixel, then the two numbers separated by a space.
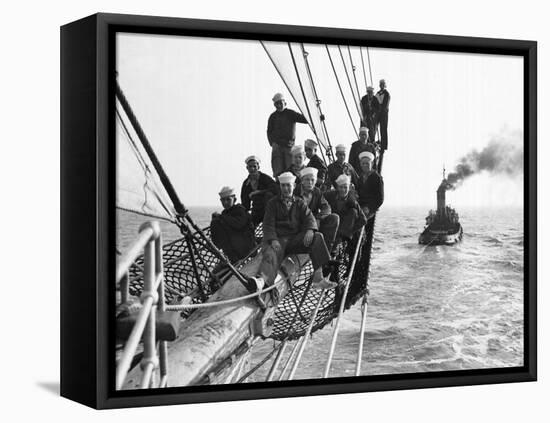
pixel 204 104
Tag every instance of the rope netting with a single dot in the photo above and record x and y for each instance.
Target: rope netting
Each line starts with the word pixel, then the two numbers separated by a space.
pixel 180 281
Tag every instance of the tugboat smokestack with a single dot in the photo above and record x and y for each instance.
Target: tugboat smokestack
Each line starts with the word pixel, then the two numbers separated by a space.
pixel 441 197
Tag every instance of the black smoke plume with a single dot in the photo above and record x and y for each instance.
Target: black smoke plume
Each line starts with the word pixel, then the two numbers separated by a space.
pixel 503 155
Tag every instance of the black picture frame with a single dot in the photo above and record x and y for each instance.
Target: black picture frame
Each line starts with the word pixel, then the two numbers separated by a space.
pixel 87 209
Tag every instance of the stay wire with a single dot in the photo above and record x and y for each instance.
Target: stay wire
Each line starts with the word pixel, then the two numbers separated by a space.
pixel 341 91
pixel 302 89
pixel 349 81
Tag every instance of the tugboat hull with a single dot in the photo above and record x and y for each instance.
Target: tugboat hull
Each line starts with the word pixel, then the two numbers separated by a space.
pixel 440 237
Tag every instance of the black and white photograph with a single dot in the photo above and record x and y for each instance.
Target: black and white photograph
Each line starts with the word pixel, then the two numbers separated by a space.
pixel 292 210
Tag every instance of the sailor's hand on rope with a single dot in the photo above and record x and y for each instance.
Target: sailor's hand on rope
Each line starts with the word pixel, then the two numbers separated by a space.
pixel 308 238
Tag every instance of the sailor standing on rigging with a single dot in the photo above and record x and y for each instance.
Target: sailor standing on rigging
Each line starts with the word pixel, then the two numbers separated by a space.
pixel 257 189
pixel 315 161
pixel 289 228
pixel 383 97
pixel 281 133
pixel 370 107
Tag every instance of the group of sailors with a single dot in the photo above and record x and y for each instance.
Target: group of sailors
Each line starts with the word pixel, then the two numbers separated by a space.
pixel 306 208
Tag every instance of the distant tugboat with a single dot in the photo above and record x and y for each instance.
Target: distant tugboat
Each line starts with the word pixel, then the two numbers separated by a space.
pixel 442 226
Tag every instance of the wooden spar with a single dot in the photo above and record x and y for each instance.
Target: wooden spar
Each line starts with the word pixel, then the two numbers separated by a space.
pixel 211 335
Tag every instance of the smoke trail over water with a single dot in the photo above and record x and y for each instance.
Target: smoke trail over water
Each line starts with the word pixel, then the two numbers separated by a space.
pixel 503 155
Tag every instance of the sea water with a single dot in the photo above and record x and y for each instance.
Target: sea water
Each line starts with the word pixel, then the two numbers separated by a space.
pixel 430 308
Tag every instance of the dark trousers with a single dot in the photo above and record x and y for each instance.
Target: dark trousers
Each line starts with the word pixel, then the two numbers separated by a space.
pixel 348 223
pixel 328 226
pixel 383 119
pixel 281 159
pixel 235 244
pixel 271 259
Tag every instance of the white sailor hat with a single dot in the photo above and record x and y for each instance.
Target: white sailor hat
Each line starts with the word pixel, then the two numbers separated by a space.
pixel 310 143
pixel 253 157
pixel 278 97
pixel 343 179
pixel 309 171
pixel 364 129
pixel 370 88
pixel 341 147
pixel 366 155
pixel 297 149
pixel 287 178
pixel 226 192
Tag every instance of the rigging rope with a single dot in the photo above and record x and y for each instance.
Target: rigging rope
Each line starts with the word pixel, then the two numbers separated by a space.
pixel 349 82
pixel 370 69
pixel 302 89
pixel 364 71
pixel 355 78
pixel 342 305
pixel 328 148
pixel 341 91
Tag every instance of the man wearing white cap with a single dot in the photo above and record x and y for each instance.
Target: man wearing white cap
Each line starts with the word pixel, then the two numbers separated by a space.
pixel 369 110
pixel 289 228
pixel 383 97
pixel 281 133
pixel 362 144
pixel 310 147
pixel 232 230
pixel 298 157
pixel 257 189
pixel 340 167
pixel 370 188
pixel 315 200
pixel 344 204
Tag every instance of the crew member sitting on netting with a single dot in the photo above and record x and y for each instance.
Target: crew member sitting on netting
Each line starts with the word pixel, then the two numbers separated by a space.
pixel 310 147
pixel 289 228
pixel 344 204
pixel 340 167
pixel 232 229
pixel 327 222
pixel 257 189
pixel 370 188
pixel 362 144
pixel 298 158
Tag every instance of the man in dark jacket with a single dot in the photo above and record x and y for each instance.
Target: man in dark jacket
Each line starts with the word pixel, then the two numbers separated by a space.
pixel 289 228
pixel 371 186
pixel 362 144
pixel 315 200
pixel 281 133
pixel 232 230
pixel 340 167
pixel 383 97
pixel 256 190
pixel 315 161
pixel 344 204
pixel 370 108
